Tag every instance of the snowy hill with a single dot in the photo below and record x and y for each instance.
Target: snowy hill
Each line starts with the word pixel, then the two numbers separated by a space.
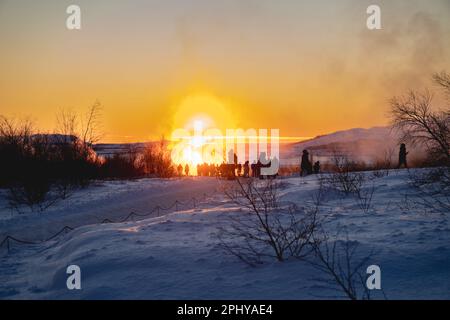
pixel 375 133
pixel 366 145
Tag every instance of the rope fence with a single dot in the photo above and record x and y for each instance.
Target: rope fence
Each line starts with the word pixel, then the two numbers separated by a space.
pixel 8 240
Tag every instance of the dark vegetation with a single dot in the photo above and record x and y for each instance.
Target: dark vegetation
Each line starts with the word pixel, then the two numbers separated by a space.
pixel 39 169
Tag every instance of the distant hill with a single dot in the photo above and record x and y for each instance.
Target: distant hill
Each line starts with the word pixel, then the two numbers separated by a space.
pixel 366 145
pixel 359 144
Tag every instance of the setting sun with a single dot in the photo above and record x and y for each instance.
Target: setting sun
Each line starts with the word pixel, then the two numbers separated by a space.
pixel 201 111
pixel 197 124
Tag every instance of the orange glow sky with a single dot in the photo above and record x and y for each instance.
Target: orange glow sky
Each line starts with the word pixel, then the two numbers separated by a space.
pixel 305 67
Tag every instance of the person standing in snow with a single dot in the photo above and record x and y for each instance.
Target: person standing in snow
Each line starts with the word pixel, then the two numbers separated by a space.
pixel 402 156
pixel 253 166
pixel 316 167
pixel 180 170
pixel 305 165
pixel 186 169
pixel 246 169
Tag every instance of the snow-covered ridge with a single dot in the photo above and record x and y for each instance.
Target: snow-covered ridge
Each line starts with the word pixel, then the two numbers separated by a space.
pixel 360 144
pixel 375 133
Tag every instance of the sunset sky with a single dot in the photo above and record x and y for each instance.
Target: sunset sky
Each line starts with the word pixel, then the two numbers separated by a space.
pixel 305 67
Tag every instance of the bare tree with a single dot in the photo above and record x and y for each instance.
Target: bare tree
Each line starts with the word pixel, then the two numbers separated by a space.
pixel 414 116
pixel 14 133
pixel 66 123
pixel 22 166
pixel 163 165
pixel 442 79
pixel 90 125
pixel 417 121
pixel 85 127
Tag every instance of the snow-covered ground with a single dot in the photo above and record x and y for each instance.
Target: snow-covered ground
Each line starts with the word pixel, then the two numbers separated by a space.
pixel 177 256
pixel 112 200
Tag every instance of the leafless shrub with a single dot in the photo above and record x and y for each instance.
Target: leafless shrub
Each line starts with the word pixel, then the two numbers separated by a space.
pixel 376 174
pixel 383 165
pixel 40 168
pixel 31 195
pixel 37 184
pixel 364 198
pixel 432 189
pixel 345 177
pixel 288 170
pixel 163 162
pixel 156 160
pixel 339 260
pixel 64 188
pixel 266 228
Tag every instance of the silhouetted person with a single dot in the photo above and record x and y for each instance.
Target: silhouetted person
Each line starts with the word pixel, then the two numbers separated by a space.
pixel 246 169
pixel 263 162
pixel 253 166
pixel 316 167
pixel 258 169
pixel 180 170
pixel 305 165
pixel 402 156
pixel 186 169
pixel 222 169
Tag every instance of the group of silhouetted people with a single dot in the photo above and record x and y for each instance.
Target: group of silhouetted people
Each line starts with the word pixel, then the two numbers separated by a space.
pixel 246 170
pixel 180 170
pixel 234 168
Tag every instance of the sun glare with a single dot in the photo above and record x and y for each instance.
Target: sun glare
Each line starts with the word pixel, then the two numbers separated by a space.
pixel 195 114
pixel 202 111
